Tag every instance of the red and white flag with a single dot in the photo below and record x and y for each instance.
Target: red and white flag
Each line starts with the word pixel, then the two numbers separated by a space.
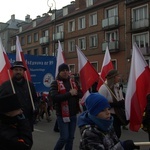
pixel 106 67
pixel 88 75
pixel 4 67
pixel 60 57
pixel 137 89
pixel 20 57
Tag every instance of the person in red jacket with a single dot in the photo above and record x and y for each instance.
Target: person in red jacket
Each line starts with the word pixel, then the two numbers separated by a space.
pixel 15 131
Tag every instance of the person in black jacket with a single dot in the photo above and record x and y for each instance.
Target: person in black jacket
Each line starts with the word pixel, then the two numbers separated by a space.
pixel 21 88
pixel 15 131
pixel 65 94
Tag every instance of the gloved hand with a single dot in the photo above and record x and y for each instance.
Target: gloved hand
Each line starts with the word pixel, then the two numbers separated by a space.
pixel 129 145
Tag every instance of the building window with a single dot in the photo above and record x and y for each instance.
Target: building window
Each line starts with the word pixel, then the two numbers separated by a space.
pixel 140 13
pixel 35 51
pixel 141 39
pixel 22 41
pixel 65 11
pixel 59 28
pixel 45 51
pixel 29 39
pixel 95 65
pixel 89 3
pixel 29 52
pixel 81 23
pixel 36 37
pixel 111 36
pixel 110 12
pixel 93 41
pixel 71 26
pixel 72 68
pixel 71 45
pixel 93 19
pixel 34 23
pixel 82 43
pixel 45 33
pixel 20 29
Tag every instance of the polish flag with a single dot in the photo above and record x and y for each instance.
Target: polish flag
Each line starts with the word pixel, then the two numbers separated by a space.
pixel 20 57
pixel 137 90
pixel 88 75
pixel 60 57
pixel 4 68
pixel 106 67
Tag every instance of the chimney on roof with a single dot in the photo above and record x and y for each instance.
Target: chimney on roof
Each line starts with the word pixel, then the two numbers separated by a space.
pixel 27 18
pixel 13 17
pixel 72 2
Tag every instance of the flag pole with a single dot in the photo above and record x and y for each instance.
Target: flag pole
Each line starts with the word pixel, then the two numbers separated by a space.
pixel 29 91
pixel 11 81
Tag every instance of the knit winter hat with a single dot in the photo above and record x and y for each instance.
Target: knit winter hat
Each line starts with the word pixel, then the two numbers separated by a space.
pixel 95 103
pixel 112 73
pixel 63 67
pixel 9 103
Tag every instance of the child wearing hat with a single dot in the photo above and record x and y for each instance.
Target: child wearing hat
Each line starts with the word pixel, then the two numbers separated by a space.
pixel 96 127
pixel 15 131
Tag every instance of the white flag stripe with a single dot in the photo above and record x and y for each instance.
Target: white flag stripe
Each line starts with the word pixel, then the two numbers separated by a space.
pixel 60 58
pixel 81 62
pixel 2 59
pixel 18 49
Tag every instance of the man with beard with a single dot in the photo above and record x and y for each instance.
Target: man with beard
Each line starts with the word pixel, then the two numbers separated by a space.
pixel 20 86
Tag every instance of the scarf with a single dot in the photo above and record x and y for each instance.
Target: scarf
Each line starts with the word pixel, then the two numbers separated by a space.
pixel 64 104
pixel 103 124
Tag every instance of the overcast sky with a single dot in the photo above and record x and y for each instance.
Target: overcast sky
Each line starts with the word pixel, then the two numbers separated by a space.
pixel 21 8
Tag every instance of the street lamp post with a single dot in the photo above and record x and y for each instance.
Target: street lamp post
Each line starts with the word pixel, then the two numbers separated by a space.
pixel 54 30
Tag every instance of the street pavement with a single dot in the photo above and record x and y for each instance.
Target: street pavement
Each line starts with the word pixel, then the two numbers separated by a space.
pixel 45 138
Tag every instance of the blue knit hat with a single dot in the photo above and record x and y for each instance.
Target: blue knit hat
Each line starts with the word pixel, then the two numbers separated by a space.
pixel 95 103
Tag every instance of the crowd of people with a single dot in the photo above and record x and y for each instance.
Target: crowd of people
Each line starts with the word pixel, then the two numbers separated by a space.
pixel 99 124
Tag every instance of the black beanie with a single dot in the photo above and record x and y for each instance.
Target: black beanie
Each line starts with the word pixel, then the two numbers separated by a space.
pixel 9 103
pixel 63 67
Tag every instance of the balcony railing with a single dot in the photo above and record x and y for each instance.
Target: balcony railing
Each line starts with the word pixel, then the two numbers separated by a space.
pixel 108 22
pixel 144 50
pixel 44 40
pixel 140 24
pixel 58 36
pixel 113 46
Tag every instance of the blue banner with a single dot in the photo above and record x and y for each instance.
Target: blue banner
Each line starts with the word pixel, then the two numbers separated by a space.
pixel 42 70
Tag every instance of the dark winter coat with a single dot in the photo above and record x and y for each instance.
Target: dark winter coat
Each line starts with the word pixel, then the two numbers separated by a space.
pixel 22 92
pixel 57 98
pixel 15 133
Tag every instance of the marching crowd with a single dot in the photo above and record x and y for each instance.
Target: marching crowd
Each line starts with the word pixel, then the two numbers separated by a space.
pixel 99 124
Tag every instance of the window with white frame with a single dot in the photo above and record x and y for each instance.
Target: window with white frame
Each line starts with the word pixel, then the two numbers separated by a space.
pixel 110 12
pixel 142 39
pixel 111 36
pixel 71 26
pixel 93 40
pixel 71 45
pixel 81 22
pixel 93 19
pixel 29 39
pixel 34 23
pixel 45 33
pixel 59 28
pixel 82 43
pixel 72 68
pixel 89 3
pixel 140 13
pixel 65 11
pixel 95 65
pixel 36 37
